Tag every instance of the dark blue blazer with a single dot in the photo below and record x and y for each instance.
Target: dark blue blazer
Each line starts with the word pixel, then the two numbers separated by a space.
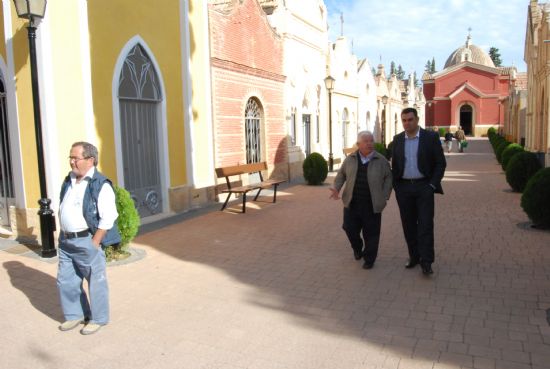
pixel 431 160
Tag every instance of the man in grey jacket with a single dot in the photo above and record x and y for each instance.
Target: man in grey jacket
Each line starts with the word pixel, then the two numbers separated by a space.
pixel 368 183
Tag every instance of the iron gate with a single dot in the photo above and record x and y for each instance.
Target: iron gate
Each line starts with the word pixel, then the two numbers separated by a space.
pixel 139 102
pixel 7 196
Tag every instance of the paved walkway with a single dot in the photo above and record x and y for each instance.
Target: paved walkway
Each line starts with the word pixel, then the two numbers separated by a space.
pixel 277 288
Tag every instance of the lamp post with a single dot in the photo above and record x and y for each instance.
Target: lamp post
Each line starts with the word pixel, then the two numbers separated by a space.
pixel 383 130
pixel 31 10
pixel 329 84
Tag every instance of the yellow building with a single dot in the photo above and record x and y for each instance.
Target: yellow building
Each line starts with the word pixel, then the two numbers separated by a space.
pixel 537 54
pixel 116 73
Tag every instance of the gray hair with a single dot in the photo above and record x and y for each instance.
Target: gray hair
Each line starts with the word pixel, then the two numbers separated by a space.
pixel 364 134
pixel 88 150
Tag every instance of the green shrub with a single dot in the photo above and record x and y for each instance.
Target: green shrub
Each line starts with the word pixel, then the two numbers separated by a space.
pixel 508 152
pixel 128 224
pixel 535 200
pixel 521 167
pixel 442 132
pixel 381 149
pixel 497 140
pixel 315 169
pixel 491 132
pixel 389 151
pixel 500 149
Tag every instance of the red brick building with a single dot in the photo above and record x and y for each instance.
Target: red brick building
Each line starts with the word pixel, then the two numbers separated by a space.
pixel 247 86
pixel 468 92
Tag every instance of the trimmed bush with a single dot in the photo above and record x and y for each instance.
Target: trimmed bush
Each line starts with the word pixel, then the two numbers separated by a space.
pixel 497 140
pixel 128 224
pixel 508 152
pixel 381 149
pixel 500 149
pixel 442 132
pixel 389 150
pixel 315 169
pixel 521 167
pixel 491 132
pixel 535 200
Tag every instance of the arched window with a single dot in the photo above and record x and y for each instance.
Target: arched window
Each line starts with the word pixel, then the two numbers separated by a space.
pixel 139 96
pixel 368 120
pixel 252 122
pixel 345 124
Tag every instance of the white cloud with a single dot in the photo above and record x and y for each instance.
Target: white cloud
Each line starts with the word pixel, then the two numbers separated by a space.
pixel 410 32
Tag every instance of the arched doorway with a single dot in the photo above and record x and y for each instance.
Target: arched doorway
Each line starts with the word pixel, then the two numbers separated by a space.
pixel 466 118
pixel 252 123
pixel 139 97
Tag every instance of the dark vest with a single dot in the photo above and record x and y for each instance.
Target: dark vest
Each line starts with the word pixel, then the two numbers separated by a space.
pixel 89 206
pixel 361 189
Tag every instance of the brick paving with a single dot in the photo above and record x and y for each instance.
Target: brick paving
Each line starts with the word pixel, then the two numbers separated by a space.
pixel 278 288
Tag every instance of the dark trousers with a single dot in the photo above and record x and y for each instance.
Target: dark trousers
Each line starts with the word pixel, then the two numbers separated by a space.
pixel 416 206
pixel 360 218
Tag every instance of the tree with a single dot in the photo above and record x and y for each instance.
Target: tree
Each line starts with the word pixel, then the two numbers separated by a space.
pixel 428 66
pixel 432 66
pixel 400 72
pixel 416 83
pixel 495 56
pixel 392 68
pixel 373 71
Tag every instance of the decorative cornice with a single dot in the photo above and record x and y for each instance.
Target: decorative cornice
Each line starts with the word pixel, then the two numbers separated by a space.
pixel 456 67
pixel 245 69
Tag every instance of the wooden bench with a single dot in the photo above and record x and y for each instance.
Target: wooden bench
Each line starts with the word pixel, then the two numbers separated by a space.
pixel 349 150
pixel 252 168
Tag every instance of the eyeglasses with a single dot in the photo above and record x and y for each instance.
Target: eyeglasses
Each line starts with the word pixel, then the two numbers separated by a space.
pixel 76 160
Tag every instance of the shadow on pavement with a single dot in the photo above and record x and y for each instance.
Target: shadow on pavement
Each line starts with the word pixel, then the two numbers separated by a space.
pixel 297 260
pixel 35 285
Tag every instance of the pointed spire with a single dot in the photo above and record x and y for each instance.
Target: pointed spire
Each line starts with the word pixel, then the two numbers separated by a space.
pixel 469 38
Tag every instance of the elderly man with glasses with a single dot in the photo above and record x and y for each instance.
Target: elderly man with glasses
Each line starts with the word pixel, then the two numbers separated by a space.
pixel 87 215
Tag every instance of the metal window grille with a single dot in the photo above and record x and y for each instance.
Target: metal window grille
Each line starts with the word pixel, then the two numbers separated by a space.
pixel 345 123
pixel 252 132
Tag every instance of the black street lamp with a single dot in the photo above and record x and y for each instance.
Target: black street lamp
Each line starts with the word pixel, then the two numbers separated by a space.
pixel 329 84
pixel 31 10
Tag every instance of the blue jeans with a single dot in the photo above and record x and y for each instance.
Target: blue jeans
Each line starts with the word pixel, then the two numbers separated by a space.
pixel 80 259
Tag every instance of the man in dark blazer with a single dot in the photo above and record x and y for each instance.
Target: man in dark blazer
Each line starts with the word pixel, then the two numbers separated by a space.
pixel 418 166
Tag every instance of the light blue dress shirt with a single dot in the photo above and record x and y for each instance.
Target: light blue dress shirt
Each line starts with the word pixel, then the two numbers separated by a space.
pixel 366 159
pixel 411 157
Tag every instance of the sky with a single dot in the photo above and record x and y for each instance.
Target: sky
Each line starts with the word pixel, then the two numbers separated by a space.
pixel 410 32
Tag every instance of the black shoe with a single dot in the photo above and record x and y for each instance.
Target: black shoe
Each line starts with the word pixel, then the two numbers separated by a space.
pixel 357 254
pixel 427 269
pixel 368 265
pixel 411 263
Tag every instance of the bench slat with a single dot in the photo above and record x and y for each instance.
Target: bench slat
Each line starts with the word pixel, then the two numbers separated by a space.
pixel 241 189
pixel 240 169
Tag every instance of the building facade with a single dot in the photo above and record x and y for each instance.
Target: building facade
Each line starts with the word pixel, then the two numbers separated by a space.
pixel 515 110
pixel 124 84
pixel 302 26
pixel 246 58
pixel 468 92
pixel 537 54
